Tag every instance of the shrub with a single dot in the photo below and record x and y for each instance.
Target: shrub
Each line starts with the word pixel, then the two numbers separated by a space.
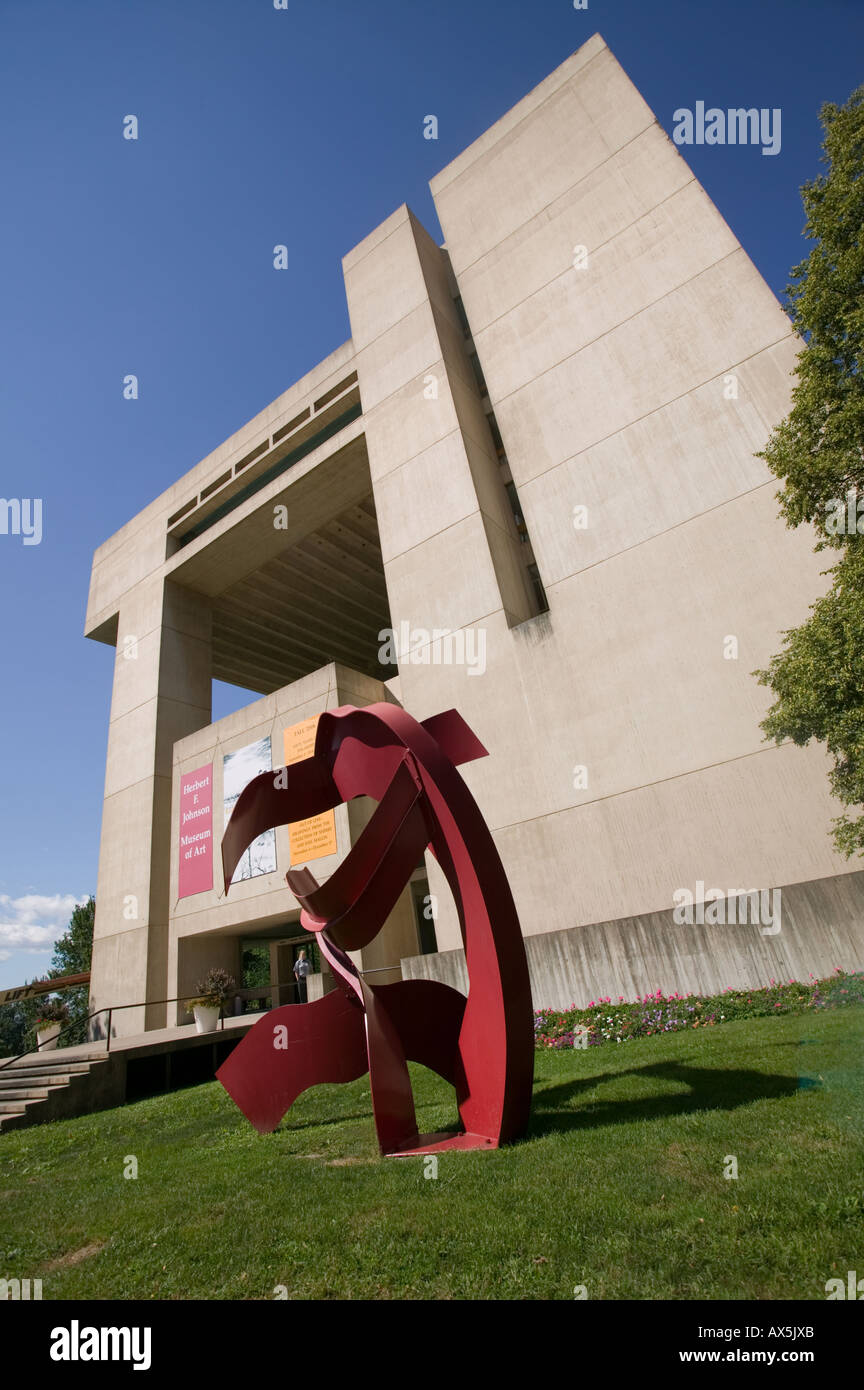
pixel 658 1013
pixel 51 1010
pixel 214 990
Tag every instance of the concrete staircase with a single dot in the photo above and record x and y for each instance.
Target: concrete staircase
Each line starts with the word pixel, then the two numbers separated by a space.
pixel 45 1086
pixel 85 1078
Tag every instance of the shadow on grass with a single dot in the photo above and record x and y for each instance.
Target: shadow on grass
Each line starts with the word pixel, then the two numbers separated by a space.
pixel 555 1107
pixel 287 1125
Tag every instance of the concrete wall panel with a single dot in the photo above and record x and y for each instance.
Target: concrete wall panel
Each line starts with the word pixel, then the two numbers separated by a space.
pixel 821 930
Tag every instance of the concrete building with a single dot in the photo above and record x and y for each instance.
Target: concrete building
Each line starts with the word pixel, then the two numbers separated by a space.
pixel 540 441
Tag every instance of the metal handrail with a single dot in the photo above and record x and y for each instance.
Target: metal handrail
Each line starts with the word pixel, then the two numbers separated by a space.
pixel 7 1061
pixel 111 1009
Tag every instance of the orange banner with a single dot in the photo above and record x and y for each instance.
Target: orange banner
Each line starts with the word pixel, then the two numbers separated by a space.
pixel 314 838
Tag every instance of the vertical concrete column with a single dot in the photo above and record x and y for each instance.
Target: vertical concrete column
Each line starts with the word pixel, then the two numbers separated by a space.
pixel 439 495
pixel 162 685
pixel 448 539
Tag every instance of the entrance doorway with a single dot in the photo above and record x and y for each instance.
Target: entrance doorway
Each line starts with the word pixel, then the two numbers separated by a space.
pixel 268 969
pixel 305 964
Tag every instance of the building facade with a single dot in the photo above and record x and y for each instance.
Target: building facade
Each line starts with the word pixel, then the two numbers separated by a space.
pixel 533 465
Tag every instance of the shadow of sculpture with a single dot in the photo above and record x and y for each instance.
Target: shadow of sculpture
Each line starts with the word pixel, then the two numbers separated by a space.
pixel 566 1107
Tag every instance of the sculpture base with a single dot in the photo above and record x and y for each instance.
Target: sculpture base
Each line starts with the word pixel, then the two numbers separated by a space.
pixel 439 1143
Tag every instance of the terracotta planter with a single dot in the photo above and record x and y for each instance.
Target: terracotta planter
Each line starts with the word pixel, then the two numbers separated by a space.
pixel 47 1036
pixel 206 1018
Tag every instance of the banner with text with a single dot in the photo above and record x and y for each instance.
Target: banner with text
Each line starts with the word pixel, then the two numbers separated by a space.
pixel 314 838
pixel 196 832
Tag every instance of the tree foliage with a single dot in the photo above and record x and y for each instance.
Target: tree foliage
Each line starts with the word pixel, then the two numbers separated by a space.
pixel 16 1026
pixel 818 452
pixel 72 953
pixel 74 949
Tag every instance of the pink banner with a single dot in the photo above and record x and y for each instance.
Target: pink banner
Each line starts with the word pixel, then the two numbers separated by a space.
pixel 196 832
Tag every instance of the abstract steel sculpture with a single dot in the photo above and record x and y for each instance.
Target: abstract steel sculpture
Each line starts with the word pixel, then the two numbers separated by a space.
pixel 482 1045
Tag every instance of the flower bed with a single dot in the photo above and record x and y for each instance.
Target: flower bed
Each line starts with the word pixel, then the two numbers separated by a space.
pixel 605 1021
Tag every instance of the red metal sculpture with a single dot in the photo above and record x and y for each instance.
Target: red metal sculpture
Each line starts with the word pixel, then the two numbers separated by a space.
pixel 482 1045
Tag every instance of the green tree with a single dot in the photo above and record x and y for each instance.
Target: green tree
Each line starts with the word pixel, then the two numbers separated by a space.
pixel 74 949
pixel 256 967
pixel 72 954
pixel 16 1024
pixel 818 453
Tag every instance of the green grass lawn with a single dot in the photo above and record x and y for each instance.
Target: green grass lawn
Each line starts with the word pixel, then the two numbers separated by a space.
pixel 618 1186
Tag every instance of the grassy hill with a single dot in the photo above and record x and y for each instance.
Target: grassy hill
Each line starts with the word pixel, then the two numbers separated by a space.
pixel 619 1185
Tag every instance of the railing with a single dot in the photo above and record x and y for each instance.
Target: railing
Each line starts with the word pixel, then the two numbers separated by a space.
pixel 110 1010
pixel 261 992
pixel 7 1061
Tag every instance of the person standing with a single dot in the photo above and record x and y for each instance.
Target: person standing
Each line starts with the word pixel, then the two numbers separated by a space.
pixel 302 968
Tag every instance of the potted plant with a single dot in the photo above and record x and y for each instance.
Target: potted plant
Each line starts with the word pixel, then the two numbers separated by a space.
pixel 52 1017
pixel 214 991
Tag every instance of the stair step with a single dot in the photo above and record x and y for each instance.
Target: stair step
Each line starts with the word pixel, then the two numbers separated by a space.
pixel 57 1079
pixel 14 1077
pixel 38 1078
pixel 56 1058
pixel 38 1069
pixel 27 1085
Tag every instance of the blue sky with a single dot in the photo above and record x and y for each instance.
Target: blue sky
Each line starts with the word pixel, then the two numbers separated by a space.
pixel 260 126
